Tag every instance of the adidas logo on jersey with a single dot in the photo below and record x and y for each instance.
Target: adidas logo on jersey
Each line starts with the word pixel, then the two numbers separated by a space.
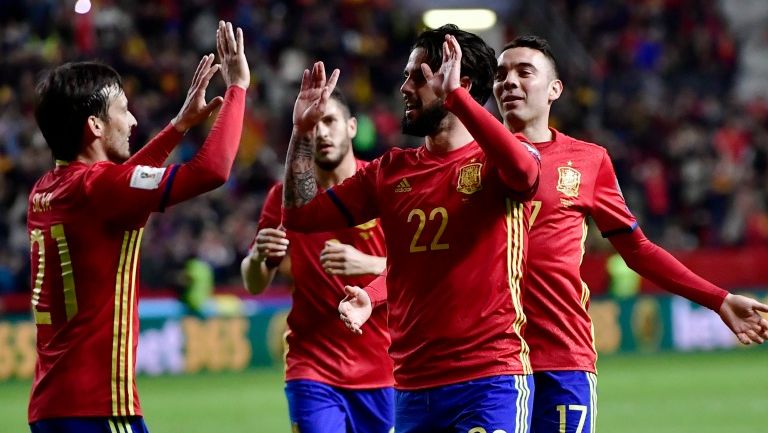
pixel 403 186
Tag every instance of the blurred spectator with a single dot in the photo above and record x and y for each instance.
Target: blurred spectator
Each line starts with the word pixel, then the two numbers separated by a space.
pixel 655 84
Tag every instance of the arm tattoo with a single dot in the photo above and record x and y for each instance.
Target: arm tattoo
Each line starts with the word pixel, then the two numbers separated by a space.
pixel 300 181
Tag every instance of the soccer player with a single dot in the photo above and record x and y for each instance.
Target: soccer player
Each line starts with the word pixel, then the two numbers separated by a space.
pixel 578 182
pixel 334 384
pixel 453 216
pixel 86 218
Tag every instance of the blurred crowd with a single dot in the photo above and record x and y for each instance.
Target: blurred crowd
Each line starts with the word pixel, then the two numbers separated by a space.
pixel 650 80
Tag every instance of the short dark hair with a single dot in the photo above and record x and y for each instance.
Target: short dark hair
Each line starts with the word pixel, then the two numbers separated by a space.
pixel 342 100
pixel 478 61
pixel 66 97
pixel 536 43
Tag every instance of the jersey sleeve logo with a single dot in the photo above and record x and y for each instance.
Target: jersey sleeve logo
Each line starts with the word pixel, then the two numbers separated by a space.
pixel 469 178
pixel 144 177
pixel 568 181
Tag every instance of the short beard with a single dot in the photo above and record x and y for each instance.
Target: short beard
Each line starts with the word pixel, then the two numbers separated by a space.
pixel 328 165
pixel 427 123
pixel 331 164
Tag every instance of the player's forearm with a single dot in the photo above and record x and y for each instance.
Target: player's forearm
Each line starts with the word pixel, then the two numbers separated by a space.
pixel 517 166
pixel 375 265
pixel 660 267
pixel 256 275
pixel 300 185
pixel 211 166
pixel 156 151
pixel 303 209
pixel 377 289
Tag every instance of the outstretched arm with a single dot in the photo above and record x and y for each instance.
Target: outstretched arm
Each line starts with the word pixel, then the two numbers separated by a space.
pixel 300 184
pixel 211 165
pixel 517 162
pixel 741 314
pixel 377 289
pixel 194 111
pixel 342 259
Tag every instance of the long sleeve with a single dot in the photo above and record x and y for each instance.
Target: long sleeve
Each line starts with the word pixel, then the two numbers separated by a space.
pixel 517 162
pixel 347 204
pixel 377 289
pixel 156 151
pixel 211 165
pixel 657 265
pixel 319 215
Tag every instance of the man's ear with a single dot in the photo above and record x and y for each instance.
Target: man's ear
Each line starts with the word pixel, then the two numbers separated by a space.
pixel 94 126
pixel 352 127
pixel 555 90
pixel 466 83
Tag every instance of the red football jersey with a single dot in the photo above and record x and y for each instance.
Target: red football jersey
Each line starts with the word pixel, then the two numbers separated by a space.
pixel 320 347
pixel 456 239
pixel 577 181
pixel 85 224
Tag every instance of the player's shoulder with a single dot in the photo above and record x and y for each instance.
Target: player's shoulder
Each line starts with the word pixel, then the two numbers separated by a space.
pixel 391 157
pixel 398 153
pixel 276 188
pixel 275 193
pixel 582 146
pixel 65 177
pixel 98 169
pixel 139 177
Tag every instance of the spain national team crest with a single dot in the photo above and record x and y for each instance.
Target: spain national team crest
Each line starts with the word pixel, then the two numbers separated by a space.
pixel 469 178
pixel 568 181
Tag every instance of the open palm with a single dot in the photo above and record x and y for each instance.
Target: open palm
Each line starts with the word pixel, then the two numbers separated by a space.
pixel 448 77
pixel 313 97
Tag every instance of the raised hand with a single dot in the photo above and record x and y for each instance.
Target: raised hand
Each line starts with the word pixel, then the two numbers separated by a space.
pixel 448 77
pixel 195 109
pixel 355 308
pixel 234 66
pixel 342 259
pixel 742 315
pixel 270 243
pixel 313 97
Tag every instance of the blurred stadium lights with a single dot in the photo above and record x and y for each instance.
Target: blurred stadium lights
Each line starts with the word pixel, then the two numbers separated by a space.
pixel 466 19
pixel 83 6
pixel 493 35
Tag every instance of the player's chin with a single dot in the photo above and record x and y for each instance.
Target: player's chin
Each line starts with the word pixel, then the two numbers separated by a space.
pixel 513 117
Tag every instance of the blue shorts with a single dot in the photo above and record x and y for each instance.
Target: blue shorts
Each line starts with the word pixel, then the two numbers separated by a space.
pixel 565 402
pixel 118 424
pixel 315 407
pixel 500 404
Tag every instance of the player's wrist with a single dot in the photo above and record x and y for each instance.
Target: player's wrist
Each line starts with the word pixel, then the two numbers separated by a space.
pixel 179 125
pixel 306 130
pixel 257 258
pixel 241 85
